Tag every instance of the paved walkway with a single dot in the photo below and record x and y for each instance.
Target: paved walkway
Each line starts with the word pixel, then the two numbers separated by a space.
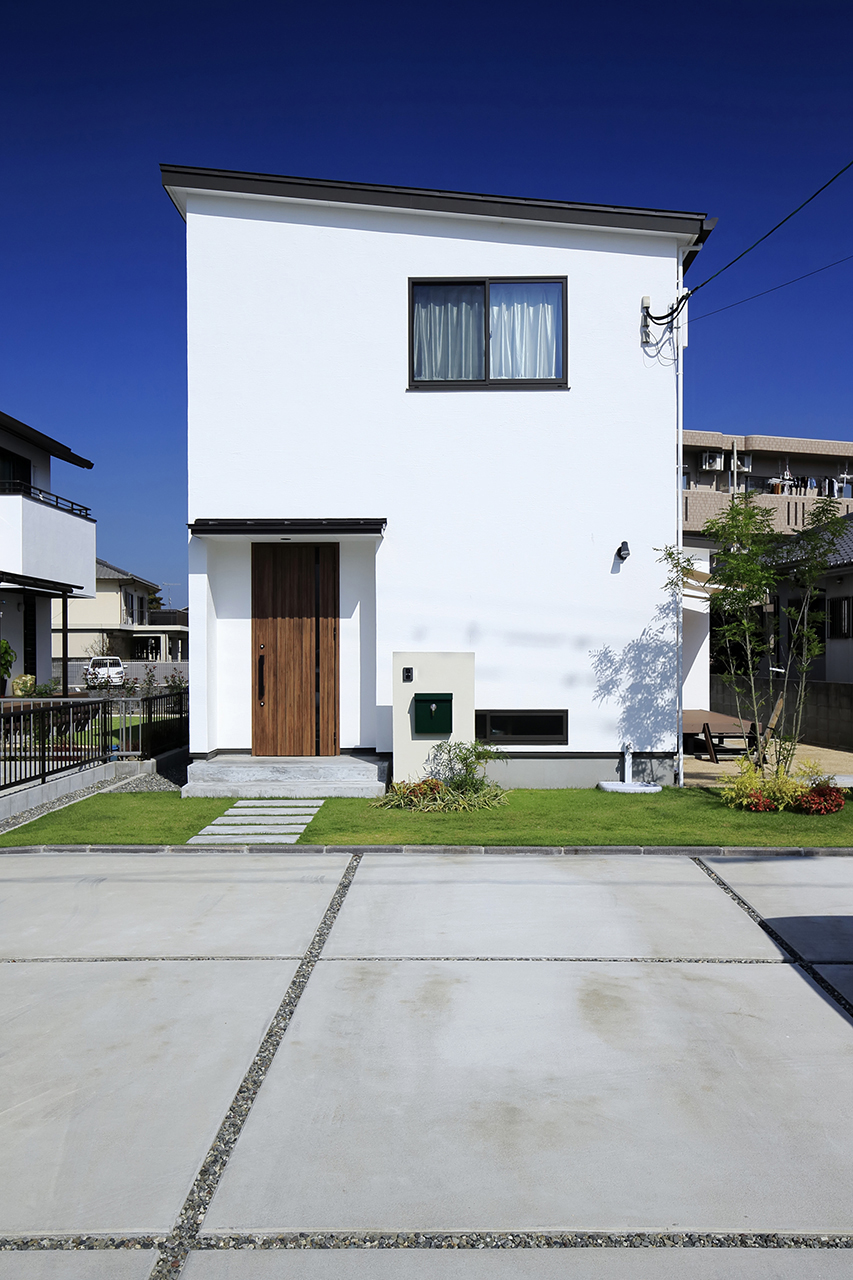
pixel 702 773
pixel 260 822
pixel 425 1066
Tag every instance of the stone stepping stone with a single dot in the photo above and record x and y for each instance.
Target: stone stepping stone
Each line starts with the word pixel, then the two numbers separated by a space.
pixel 259 822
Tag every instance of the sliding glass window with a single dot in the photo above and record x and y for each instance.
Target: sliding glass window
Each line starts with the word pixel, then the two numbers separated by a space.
pixel 492 333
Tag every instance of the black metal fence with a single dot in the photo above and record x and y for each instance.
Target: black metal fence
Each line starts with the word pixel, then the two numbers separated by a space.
pixel 39 739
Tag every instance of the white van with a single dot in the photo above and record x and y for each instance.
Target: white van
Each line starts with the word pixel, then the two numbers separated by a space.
pixel 101 669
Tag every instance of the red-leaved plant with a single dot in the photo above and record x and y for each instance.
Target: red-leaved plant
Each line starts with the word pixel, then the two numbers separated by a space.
pixel 821 799
pixel 757 803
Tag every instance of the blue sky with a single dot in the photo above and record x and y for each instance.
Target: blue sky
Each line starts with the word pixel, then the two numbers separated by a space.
pixel 738 110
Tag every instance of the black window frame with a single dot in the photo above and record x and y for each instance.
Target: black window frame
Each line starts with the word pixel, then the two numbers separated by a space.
pixel 560 739
pixel 839 618
pixel 487 383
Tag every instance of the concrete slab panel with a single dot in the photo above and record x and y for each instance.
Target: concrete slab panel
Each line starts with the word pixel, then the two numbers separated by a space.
pixel 841 977
pixel 508 1097
pixel 175 904
pixel 520 1264
pixel 77 1264
pixel 114 1079
pixel 808 901
pixel 463 905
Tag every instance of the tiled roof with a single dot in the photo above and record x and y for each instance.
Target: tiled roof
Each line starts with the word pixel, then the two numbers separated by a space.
pixel 844 554
pixel 103 569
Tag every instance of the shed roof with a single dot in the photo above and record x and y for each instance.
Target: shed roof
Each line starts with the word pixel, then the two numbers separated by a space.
pixel 179 179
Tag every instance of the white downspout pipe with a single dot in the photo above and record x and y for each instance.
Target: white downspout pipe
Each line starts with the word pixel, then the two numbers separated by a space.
pixel 679 526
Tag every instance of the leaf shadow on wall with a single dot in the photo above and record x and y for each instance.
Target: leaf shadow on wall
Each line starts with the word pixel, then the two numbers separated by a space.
pixel 641 680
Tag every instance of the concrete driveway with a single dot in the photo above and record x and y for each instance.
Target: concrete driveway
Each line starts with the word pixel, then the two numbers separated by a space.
pixel 300 1065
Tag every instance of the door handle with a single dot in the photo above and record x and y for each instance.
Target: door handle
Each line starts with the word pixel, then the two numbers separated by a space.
pixel 261 676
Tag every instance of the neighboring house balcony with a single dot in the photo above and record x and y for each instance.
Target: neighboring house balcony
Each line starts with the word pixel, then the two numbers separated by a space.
pixel 790 509
pixel 47 538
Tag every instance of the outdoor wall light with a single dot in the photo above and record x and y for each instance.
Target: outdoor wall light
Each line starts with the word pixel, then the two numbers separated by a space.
pixel 623 551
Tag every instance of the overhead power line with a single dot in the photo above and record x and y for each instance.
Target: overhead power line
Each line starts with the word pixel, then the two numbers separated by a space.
pixel 674 311
pixel 761 239
pixel 752 296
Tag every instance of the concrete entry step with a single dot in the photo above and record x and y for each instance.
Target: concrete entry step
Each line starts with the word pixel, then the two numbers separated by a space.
pixel 262 777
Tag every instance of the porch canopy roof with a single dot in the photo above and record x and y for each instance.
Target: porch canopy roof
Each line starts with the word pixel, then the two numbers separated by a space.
pixel 44 586
pixel 181 179
pixel 287 529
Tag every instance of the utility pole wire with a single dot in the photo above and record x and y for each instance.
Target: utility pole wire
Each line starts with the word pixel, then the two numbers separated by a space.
pixel 752 296
pixel 761 239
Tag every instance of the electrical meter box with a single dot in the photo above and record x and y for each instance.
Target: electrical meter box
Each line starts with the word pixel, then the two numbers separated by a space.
pixel 433 713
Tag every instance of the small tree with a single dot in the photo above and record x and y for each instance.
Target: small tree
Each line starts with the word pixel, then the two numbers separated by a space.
pixel 752 563
pixel 101 646
pixel 805 565
pixel 744 577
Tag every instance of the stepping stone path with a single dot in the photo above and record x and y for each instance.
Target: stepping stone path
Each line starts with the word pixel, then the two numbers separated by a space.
pixel 260 822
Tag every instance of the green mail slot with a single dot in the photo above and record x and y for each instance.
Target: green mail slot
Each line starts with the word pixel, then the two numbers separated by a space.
pixel 433 713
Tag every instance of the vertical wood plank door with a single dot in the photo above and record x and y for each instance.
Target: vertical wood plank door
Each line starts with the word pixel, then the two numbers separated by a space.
pixel 295 604
pixel 328 607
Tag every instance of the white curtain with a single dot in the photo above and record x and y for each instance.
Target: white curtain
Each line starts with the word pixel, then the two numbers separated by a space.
pixel 448 332
pixel 526 325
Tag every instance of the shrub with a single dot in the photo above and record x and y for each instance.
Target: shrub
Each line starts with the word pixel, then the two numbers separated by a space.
pixel 8 657
pixel 824 798
pixel 806 791
pixel 148 687
pixel 455 782
pixel 430 795
pixel 757 803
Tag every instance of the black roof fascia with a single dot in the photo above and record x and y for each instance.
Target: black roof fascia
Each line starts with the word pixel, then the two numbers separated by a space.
pixel 207 528
pixel 41 584
pixel 175 177
pixel 41 441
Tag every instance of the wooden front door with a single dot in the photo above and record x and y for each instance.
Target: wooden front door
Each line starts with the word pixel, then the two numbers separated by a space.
pixel 295 602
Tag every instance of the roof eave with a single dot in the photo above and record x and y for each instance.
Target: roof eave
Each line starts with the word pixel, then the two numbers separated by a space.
pixel 54 447
pixel 178 179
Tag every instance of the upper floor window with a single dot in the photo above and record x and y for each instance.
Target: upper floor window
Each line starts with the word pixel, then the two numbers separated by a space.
pixel 14 469
pixel 495 333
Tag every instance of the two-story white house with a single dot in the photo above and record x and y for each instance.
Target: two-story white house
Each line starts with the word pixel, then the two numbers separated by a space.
pixel 430 422
pixel 118 621
pixel 47 546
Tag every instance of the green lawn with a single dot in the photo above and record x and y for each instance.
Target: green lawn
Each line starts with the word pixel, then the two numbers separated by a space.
pixel 694 816
pixel 145 817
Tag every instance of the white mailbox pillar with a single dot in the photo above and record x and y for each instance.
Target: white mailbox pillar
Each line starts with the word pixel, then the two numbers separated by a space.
pixel 419 674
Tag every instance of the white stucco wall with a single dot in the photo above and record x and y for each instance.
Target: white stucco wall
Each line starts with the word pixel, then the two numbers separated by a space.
pixel 504 508
pixel 42 542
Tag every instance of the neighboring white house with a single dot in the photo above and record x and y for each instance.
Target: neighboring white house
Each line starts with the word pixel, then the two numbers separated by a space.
pixel 47 544
pixel 425 421
pixel 119 621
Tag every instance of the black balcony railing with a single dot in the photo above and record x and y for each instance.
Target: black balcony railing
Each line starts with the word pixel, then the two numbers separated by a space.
pixel 39 739
pixel 42 495
pixel 168 618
